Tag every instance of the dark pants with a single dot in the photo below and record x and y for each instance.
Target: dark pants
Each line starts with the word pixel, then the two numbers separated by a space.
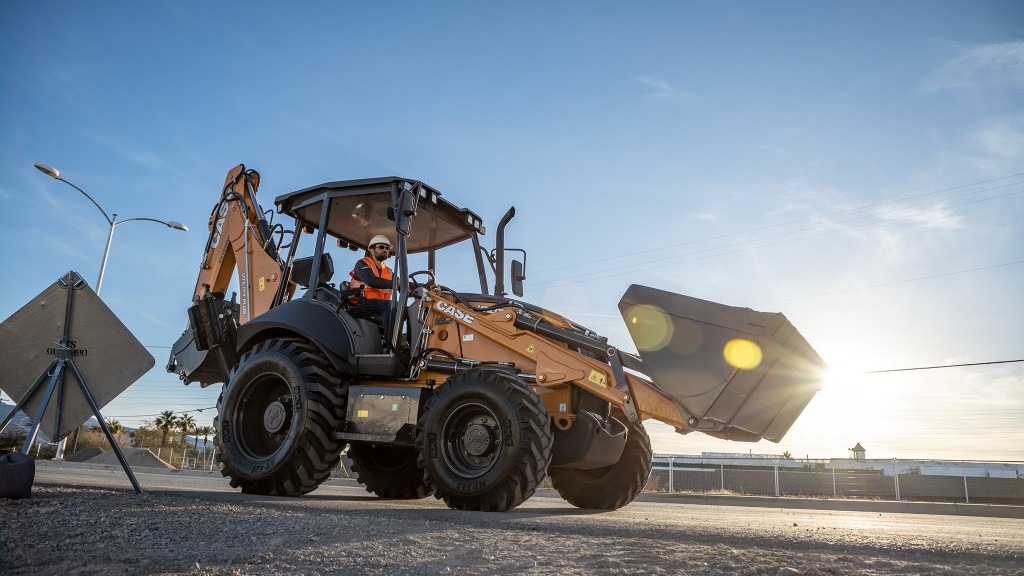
pixel 382 307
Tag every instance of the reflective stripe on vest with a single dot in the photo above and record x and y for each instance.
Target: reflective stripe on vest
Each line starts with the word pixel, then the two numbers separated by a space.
pixel 373 293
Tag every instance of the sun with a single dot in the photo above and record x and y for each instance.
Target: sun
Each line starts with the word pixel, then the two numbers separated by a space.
pixel 848 396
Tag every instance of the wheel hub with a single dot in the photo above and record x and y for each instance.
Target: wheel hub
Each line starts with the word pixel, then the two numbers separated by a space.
pixel 275 417
pixel 478 439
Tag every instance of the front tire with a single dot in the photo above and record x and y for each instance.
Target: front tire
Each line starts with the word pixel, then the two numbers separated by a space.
pixel 388 471
pixel 278 419
pixel 484 441
pixel 614 486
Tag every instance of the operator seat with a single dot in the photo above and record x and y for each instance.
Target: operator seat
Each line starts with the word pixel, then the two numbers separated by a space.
pixel 337 299
pixel 302 269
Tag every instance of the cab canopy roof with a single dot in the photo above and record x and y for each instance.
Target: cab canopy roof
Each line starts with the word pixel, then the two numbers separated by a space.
pixel 359 210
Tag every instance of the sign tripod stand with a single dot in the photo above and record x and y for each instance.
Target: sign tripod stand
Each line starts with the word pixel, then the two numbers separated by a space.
pixel 55 374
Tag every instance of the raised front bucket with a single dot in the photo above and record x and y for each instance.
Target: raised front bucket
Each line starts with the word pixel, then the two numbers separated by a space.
pixel 749 371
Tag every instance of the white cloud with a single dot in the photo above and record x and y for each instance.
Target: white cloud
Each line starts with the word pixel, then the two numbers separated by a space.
pixel 660 87
pixel 989 66
pixel 939 217
pixel 61 246
pixel 133 152
pixel 1001 140
pixel 773 148
pixel 158 320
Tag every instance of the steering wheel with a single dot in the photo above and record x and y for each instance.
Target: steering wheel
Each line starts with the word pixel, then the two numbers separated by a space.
pixel 416 284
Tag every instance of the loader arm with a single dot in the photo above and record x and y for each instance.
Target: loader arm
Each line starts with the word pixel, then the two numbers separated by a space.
pixel 518 338
pixel 687 381
pixel 240 239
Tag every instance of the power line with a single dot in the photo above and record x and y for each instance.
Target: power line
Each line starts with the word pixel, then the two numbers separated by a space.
pixel 819 217
pixel 747 246
pixel 891 283
pixel 944 366
pixel 159 414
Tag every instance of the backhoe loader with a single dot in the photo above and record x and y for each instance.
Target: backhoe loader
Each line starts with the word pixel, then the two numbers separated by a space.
pixel 471 396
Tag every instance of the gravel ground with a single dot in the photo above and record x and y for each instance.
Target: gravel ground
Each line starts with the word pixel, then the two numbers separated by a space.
pixel 85 525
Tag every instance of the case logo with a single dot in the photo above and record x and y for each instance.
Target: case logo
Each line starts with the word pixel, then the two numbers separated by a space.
pixel 450 310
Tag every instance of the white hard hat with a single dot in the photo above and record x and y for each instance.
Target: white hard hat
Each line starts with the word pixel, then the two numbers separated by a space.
pixel 379 239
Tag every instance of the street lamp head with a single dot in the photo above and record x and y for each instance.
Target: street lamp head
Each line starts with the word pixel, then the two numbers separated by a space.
pixel 48 170
pixel 177 225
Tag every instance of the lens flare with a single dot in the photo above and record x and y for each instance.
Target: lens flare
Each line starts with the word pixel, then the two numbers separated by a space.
pixel 650 327
pixel 742 354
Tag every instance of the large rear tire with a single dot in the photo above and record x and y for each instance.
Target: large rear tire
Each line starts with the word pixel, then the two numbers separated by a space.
pixel 484 441
pixel 278 419
pixel 388 471
pixel 614 486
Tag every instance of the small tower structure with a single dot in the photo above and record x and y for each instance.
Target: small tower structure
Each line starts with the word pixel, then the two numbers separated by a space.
pixel 858 452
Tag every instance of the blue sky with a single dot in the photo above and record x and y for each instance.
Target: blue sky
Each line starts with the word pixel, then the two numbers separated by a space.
pixel 857 166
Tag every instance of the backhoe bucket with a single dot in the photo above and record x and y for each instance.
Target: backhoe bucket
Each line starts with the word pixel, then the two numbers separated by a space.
pixel 205 352
pixel 738 373
pixel 192 365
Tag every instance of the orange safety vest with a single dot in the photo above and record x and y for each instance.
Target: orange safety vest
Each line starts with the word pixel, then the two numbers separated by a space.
pixel 383 272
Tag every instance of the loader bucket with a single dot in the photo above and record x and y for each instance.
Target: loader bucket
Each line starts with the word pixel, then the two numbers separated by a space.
pixel 749 373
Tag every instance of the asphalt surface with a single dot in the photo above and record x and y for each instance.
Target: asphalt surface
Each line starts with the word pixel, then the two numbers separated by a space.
pixel 189 477
pixel 195 523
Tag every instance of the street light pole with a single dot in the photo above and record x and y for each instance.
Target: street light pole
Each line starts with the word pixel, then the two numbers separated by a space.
pixel 111 220
pixel 106 253
pixel 114 223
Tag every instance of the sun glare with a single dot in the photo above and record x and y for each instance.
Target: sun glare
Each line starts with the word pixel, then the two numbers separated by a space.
pixel 650 327
pixel 743 354
pixel 847 398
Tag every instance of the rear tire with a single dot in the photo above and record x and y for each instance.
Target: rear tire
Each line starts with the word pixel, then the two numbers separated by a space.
pixel 388 471
pixel 614 486
pixel 278 419
pixel 484 441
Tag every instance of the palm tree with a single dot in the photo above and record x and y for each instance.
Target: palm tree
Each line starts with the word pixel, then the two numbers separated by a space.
pixel 205 431
pixel 115 427
pixel 165 421
pixel 186 424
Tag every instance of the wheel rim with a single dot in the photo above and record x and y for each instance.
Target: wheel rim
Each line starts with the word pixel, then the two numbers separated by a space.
pixel 472 440
pixel 264 416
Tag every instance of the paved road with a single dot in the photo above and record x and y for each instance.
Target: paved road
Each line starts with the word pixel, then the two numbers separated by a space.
pixel 197 524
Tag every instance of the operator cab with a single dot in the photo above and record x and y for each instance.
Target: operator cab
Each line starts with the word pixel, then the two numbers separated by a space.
pixel 349 214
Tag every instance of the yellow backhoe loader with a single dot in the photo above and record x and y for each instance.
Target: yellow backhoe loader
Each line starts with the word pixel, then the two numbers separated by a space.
pixel 474 397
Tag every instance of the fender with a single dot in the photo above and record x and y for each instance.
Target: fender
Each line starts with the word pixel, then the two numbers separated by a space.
pixel 338 335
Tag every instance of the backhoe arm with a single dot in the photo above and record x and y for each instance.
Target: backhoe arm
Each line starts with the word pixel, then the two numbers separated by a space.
pixel 240 238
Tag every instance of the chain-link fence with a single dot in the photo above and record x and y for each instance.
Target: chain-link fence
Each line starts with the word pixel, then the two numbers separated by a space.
pixel 893 482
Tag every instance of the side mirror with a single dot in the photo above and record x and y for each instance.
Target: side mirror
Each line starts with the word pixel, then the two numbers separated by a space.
pixel 406 209
pixel 518 275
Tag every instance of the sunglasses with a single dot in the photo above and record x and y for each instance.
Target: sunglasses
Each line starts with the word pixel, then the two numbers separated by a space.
pixel 378 246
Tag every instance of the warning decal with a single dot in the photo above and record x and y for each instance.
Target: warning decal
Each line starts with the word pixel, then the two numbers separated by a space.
pixel 598 378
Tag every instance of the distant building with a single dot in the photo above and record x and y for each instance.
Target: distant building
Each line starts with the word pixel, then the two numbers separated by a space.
pixel 859 453
pixel 882 466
